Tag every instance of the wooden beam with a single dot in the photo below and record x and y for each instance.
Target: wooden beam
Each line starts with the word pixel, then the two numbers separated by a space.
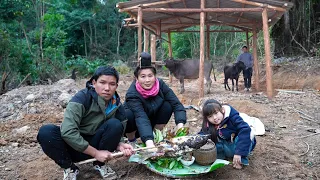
pixel 255 59
pixel 148 5
pixel 153 47
pixel 201 64
pixel 210 31
pixel 267 53
pixel 170 53
pixel 139 32
pixel 239 18
pixel 146 40
pixel 189 10
pixel 208 42
pixel 260 5
pixel 247 38
pixel 210 23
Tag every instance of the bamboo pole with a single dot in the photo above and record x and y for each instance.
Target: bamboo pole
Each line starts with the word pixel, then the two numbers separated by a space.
pixel 170 53
pixel 146 40
pixel 208 42
pixel 139 33
pixel 267 53
pixel 201 64
pixel 255 59
pixel 153 48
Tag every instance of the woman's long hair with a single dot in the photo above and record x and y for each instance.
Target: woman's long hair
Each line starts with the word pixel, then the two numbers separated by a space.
pixel 210 107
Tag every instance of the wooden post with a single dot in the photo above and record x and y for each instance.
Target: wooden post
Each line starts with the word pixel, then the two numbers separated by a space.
pixel 146 40
pixel 139 32
pixel 208 43
pixel 255 59
pixel 170 53
pixel 267 53
pixel 153 47
pixel 247 38
pixel 201 64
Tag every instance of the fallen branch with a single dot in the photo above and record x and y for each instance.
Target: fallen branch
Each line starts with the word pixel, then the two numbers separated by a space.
pixel 306 118
pixel 24 79
pixel 308 135
pixel 298 111
pixel 290 91
pixel 308 147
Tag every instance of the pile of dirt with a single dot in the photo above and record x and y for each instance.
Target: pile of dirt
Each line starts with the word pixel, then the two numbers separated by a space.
pixel 289 149
pixel 298 73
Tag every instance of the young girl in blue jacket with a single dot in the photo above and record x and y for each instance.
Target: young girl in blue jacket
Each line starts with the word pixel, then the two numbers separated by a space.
pixel 231 134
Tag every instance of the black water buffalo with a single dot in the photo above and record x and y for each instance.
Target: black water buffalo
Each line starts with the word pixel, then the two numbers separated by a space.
pixel 189 69
pixel 232 72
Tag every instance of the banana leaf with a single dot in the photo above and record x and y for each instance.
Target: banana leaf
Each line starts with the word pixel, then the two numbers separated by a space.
pixel 193 170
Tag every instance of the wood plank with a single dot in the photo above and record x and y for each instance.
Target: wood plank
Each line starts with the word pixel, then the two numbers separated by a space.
pixel 146 40
pixel 153 48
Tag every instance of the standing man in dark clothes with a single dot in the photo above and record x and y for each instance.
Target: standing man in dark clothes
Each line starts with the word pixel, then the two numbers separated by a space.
pixel 94 122
pixel 247 59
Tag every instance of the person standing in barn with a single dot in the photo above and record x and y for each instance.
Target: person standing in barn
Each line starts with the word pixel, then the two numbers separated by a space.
pixel 94 123
pixel 150 103
pixel 247 59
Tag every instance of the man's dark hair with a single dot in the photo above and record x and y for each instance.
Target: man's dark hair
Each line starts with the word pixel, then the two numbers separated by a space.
pixel 105 70
pixel 245 47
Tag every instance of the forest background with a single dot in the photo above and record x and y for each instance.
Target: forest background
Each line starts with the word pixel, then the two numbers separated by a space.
pixel 42 41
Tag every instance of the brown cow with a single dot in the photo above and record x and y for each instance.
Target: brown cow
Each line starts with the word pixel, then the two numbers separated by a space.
pixel 189 69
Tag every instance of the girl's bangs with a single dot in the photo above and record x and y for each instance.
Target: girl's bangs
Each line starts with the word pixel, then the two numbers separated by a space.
pixel 211 108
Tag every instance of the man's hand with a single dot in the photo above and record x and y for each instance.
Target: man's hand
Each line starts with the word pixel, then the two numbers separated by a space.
pixel 103 155
pixel 127 149
pixel 237 161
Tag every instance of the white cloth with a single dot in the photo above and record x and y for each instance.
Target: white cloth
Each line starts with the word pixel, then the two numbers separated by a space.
pixel 257 127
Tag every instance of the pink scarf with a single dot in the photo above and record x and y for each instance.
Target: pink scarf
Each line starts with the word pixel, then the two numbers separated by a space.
pixel 148 93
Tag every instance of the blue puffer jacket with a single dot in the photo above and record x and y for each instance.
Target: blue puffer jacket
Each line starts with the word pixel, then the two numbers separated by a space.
pixel 231 127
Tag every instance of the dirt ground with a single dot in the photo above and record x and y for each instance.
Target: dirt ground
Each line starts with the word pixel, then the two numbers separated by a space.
pixel 290 149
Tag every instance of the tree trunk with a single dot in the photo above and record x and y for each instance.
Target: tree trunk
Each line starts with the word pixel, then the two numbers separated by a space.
pixel 118 46
pixel 85 41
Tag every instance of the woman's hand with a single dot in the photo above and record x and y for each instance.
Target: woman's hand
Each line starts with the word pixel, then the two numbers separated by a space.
pixel 180 125
pixel 103 155
pixel 237 161
pixel 127 149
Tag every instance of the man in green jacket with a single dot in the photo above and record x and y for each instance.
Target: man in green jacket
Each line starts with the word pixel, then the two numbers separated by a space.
pixel 93 125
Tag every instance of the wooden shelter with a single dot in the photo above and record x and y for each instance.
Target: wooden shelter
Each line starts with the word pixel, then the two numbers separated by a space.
pixel 166 16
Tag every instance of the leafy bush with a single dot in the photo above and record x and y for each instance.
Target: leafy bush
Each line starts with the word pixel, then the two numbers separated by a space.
pixel 121 67
pixel 84 66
